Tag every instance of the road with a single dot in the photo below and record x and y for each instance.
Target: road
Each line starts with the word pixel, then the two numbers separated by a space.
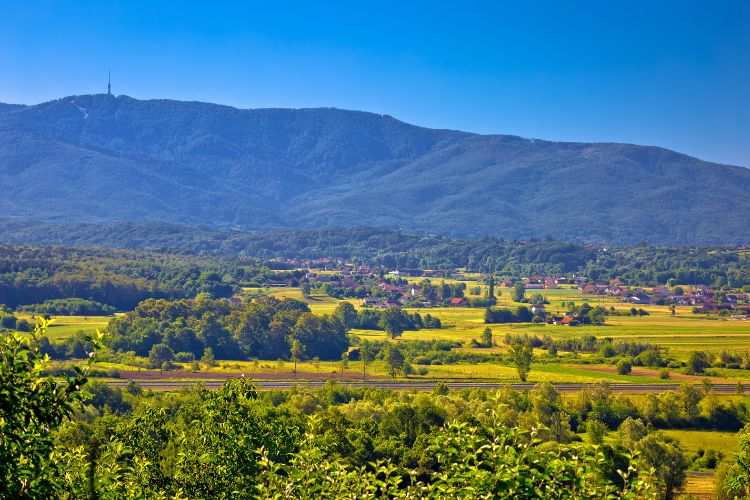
pixel 421 385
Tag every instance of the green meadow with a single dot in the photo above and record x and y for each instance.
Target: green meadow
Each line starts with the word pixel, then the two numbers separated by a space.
pixel 680 334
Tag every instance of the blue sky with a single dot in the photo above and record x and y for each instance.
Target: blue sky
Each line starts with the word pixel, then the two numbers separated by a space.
pixel 668 73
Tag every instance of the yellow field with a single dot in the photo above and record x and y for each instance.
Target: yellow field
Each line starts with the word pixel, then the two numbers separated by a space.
pixel 681 333
pixel 63 327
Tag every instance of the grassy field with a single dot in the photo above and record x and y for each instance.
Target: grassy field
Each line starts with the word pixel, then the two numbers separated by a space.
pixel 692 441
pixel 63 327
pixel 681 334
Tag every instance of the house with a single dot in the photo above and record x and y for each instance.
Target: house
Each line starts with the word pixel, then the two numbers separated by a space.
pixel 639 298
pixel 458 302
pixel 389 304
pixel 276 284
pixel 537 309
pixel 388 287
pixel 371 301
pixel 506 283
pixel 590 288
pixel 234 300
pixel 616 282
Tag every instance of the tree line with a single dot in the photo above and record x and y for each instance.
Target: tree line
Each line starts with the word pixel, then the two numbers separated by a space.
pixel 264 328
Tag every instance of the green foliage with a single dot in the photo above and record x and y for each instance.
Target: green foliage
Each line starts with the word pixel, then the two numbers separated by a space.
pixel 56 280
pixel 666 459
pixel 394 360
pixel 8 321
pixel 160 355
pixel 624 367
pixel 697 363
pixel 522 314
pixel 346 313
pixel 596 431
pixel 69 307
pixel 519 292
pixel 263 328
pixel 394 321
pixel 32 406
pixel 487 338
pixel 737 480
pixel 521 354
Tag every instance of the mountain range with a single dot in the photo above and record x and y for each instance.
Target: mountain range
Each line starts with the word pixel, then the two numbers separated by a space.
pixel 103 159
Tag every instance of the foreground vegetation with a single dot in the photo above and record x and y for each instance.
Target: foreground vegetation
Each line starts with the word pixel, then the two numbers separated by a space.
pixel 73 438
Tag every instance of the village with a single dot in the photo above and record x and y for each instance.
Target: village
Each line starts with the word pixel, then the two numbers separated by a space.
pixel 382 288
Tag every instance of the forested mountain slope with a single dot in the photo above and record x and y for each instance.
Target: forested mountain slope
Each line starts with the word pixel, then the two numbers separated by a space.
pixel 100 158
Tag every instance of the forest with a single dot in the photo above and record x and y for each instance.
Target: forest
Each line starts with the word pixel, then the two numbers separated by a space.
pixel 636 265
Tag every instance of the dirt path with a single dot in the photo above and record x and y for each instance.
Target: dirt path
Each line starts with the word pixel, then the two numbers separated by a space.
pixel 651 372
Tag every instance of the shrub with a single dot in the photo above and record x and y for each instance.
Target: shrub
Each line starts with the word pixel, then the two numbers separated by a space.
pixel 664 374
pixel 624 367
pixel 23 325
pixel 697 363
pixel 8 321
pixel 184 357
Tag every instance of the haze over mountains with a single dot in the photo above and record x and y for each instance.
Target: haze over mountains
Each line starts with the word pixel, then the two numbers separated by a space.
pixel 100 158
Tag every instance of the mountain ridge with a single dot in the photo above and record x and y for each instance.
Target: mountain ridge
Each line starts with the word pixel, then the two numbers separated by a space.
pixel 101 158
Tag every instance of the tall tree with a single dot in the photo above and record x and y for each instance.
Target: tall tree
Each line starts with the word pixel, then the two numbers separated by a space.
pixel 522 354
pixel 487 337
pixel 297 351
pixel 347 314
pixel 365 354
pixel 394 321
pixel 160 356
pixel 394 361
pixel 519 292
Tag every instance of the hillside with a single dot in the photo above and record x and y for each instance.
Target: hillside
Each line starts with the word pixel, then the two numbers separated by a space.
pixel 100 158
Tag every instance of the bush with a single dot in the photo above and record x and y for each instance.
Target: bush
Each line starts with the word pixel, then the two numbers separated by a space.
pixel 23 325
pixel 697 363
pixel 441 389
pixel 8 321
pixel 407 369
pixel 664 374
pixel 70 307
pixel 624 367
pixel 481 302
pixel 422 370
pixel 184 357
